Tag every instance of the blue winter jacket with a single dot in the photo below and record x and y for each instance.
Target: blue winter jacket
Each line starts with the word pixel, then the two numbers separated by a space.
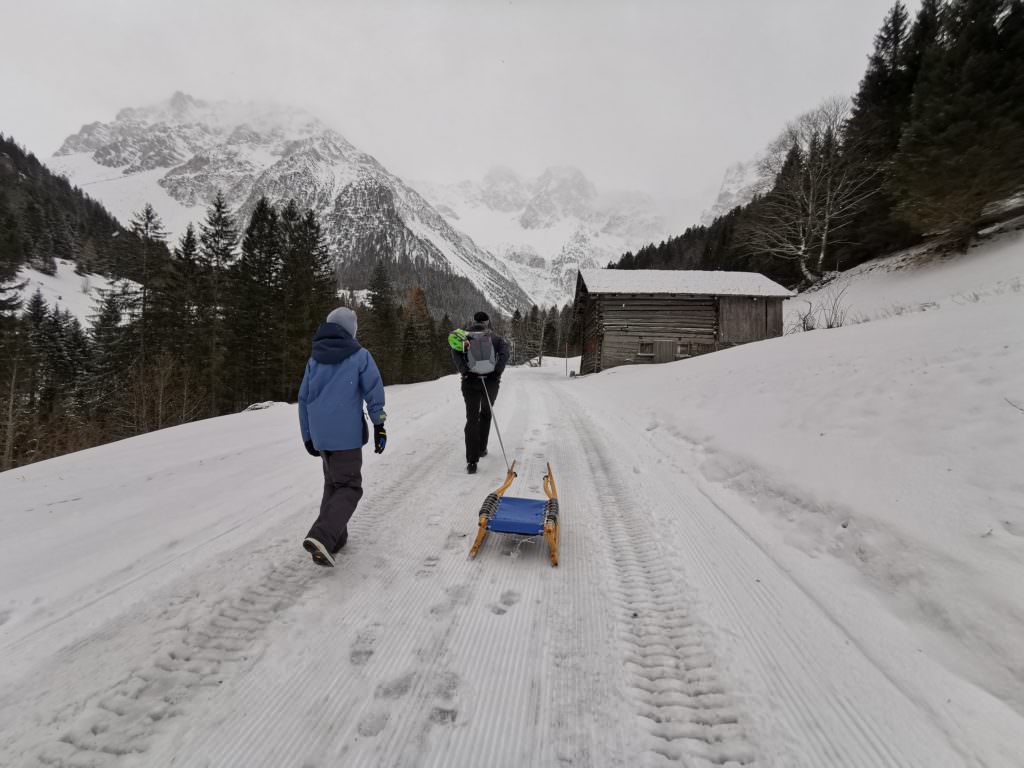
pixel 339 377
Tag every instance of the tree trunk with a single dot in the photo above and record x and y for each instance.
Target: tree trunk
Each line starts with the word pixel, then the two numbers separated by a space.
pixel 8 456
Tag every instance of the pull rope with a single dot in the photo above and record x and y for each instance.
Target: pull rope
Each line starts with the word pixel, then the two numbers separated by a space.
pixel 494 418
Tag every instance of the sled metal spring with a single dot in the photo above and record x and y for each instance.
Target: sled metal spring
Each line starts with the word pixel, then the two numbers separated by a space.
pixel 551 510
pixel 490 505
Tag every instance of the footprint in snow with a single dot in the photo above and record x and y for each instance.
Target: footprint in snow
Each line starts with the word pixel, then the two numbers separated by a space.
pixel 507 600
pixel 373 723
pixel 455 540
pixel 445 690
pixel 397 688
pixel 362 648
pixel 428 566
pixel 456 596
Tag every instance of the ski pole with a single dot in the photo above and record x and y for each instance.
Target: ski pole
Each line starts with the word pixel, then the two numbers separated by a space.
pixel 494 418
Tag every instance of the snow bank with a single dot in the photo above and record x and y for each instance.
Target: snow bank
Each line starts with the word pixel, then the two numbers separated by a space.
pixel 894 446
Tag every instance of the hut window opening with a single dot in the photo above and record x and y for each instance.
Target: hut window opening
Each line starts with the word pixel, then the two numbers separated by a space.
pixel 646 349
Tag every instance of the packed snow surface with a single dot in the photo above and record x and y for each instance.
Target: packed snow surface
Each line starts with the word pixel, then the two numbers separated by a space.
pixel 801 552
pixel 692 281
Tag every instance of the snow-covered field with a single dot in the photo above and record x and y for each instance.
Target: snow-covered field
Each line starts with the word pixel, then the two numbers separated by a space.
pixel 67 291
pixel 803 552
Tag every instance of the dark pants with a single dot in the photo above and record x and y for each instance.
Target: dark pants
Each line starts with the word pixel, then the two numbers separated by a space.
pixel 478 414
pixel 343 487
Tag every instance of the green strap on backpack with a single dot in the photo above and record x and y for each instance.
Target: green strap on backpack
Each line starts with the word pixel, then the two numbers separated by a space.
pixel 457 340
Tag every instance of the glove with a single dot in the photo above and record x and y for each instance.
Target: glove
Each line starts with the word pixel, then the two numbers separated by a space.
pixel 310 449
pixel 380 438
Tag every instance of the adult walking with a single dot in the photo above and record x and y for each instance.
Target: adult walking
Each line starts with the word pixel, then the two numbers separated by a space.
pixel 340 376
pixel 480 355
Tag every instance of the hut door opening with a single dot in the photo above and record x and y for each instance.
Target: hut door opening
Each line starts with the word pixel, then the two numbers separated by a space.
pixel 664 351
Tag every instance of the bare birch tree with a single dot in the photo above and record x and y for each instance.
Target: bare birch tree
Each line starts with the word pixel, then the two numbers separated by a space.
pixel 817 190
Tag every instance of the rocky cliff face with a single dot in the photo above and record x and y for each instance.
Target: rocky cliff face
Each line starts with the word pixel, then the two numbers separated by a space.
pixel 739 185
pixel 546 228
pixel 179 153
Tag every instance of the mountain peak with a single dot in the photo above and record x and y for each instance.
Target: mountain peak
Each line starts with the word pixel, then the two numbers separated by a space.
pixel 183 151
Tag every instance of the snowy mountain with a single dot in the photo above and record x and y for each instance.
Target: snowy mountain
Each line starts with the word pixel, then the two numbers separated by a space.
pixel 178 153
pixel 545 228
pixel 797 553
pixel 739 185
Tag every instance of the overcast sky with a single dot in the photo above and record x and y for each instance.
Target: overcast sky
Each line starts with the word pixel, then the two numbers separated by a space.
pixel 641 94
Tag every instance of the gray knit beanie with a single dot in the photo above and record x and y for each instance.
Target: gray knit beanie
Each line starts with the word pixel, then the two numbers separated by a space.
pixel 346 318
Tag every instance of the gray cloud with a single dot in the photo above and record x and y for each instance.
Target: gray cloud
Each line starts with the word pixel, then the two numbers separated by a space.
pixel 652 95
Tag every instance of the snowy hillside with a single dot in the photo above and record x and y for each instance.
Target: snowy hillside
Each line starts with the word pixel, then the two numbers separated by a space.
pixel 800 552
pixel 66 290
pixel 919 280
pixel 547 228
pixel 179 153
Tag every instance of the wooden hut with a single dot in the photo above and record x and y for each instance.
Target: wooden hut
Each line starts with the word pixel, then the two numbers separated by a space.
pixel 657 316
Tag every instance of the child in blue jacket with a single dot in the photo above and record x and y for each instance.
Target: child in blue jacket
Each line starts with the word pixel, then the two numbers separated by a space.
pixel 340 376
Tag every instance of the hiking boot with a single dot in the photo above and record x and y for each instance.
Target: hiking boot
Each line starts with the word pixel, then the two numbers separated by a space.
pixel 471 468
pixel 319 552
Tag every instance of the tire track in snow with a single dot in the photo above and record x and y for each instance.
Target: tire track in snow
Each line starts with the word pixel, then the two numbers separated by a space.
pixel 671 673
pixel 376 527
pixel 392 664
pixel 125 720
pixel 824 700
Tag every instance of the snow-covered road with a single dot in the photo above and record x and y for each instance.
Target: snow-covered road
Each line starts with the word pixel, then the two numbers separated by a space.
pixel 667 635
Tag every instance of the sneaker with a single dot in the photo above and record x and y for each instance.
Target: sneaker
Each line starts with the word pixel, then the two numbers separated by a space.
pixel 483 452
pixel 471 468
pixel 319 552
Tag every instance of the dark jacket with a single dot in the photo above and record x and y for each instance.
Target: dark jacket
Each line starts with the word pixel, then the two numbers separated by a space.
pixel 500 355
pixel 340 376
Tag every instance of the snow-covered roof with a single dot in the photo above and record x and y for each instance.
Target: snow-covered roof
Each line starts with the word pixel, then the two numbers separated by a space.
pixel 681 281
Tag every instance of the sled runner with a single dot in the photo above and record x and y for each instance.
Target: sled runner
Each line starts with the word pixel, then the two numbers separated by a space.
pixel 522 517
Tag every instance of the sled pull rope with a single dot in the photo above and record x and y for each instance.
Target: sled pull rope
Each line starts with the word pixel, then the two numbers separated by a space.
pixel 494 418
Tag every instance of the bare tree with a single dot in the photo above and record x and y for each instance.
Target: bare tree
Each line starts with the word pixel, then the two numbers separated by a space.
pixel 817 190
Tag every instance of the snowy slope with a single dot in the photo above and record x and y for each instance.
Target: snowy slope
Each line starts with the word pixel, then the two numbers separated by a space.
pixel 179 153
pixel 919 280
pixel 67 291
pixel 799 552
pixel 546 228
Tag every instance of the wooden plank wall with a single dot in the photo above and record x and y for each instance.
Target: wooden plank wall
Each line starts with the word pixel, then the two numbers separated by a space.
pixel 624 320
pixel 745 318
pixel 615 325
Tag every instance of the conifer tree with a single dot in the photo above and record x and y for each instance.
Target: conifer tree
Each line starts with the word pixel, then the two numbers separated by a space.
pixel 218 248
pixel 382 335
pixel 444 351
pixel 961 150
pixel 418 359
pixel 255 302
pixel 309 292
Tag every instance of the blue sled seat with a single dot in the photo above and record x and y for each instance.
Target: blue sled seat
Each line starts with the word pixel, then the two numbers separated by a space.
pixel 525 517
pixel 522 516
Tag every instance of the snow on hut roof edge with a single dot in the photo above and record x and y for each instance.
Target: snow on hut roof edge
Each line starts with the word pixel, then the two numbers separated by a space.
pixel 692 281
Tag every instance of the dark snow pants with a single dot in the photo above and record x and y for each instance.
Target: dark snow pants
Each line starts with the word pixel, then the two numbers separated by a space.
pixel 478 414
pixel 343 487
